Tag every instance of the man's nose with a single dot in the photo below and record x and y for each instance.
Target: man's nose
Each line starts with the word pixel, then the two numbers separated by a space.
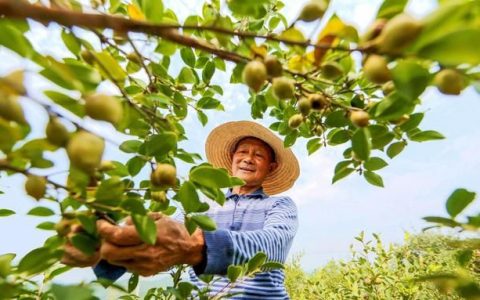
pixel 248 158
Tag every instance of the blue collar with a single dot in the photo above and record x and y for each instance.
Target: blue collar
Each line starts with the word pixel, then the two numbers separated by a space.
pixel 256 194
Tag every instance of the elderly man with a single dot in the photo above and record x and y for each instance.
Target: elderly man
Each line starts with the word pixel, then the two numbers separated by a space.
pixel 251 220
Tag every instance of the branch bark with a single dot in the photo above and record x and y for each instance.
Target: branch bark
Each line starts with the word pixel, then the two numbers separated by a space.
pixel 23 10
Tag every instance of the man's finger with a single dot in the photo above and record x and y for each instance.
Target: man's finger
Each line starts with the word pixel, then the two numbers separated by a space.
pixel 112 252
pixel 119 235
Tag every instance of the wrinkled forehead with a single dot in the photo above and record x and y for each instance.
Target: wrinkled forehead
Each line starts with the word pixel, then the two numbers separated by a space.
pixel 250 139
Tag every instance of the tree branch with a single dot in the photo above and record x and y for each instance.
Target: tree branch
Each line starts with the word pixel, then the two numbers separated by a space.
pixel 22 10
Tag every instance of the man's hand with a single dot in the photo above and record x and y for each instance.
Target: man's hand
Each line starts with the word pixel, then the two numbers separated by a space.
pixel 76 258
pixel 122 246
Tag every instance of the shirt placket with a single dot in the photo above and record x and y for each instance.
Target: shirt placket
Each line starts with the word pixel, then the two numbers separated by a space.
pixel 236 220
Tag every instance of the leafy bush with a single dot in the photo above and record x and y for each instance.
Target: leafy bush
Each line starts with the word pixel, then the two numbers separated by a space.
pixel 377 271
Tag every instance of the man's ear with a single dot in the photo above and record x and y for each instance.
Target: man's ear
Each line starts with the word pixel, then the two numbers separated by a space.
pixel 273 166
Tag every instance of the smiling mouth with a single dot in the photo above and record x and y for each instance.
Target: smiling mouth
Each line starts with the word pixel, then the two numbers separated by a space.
pixel 247 170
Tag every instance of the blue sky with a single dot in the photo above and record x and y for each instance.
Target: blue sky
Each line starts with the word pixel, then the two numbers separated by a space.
pixel 417 182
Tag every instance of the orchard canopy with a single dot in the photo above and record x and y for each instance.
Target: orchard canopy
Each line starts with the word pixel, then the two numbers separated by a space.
pixel 331 85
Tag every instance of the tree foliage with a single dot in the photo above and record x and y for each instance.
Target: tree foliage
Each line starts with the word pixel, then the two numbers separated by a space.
pixel 332 86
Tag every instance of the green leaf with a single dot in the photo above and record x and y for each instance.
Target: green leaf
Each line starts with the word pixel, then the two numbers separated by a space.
pixel 41 211
pixel 233 272
pixel 338 136
pixel 456 48
pixel 395 149
pixel 427 135
pixel 166 48
pixel 190 225
pixel 46 226
pixel 290 139
pixel 342 173
pixel 390 8
pixel 6 212
pixel 393 107
pixel 313 145
pixel 153 10
pixel 210 177
pixel 71 42
pixel 131 146
pixel 132 283
pixel 442 221
pixel 292 34
pixel 336 119
pixel 88 223
pixel 185 289
pixel 6 264
pixel 208 103
pixel 115 71
pixel 247 8
pixel 373 178
pixel 208 71
pixel 38 260
pixel 272 265
pixel 413 122
pixel 375 163
pixel 188 196
pixel 458 201
pixel 161 144
pixel 187 76
pixel 110 189
pixel 72 292
pixel 188 56
pixel 66 102
pixel 146 228
pixel 135 165
pixel 204 222
pixel 134 206
pixel 361 143
pixel 410 78
pixel 255 262
pixel 14 39
pixel 202 117
pixel 85 243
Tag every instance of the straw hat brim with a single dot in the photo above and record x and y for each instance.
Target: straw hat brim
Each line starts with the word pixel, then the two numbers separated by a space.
pixel 222 140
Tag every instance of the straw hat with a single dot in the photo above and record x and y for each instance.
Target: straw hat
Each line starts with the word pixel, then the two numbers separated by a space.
pixel 222 140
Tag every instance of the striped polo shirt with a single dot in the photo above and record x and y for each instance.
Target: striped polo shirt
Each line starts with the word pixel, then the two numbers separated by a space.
pixel 247 224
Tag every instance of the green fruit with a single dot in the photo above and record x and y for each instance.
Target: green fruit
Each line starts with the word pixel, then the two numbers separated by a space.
pixel 164 176
pixel 332 70
pixel 388 88
pixel 449 81
pixel 295 121
pixel 36 186
pixel 103 107
pixel 10 109
pixel 359 118
pixel 274 67
pixel 304 106
pixel 313 10
pixel 158 196
pixel 106 165
pixel 254 75
pixel 318 101
pixel 317 130
pixel 376 70
pixel 120 37
pixel 283 87
pixel 57 134
pixel 398 34
pixel 63 227
pixel 87 56
pixel 374 30
pixel 85 151
pixel 134 57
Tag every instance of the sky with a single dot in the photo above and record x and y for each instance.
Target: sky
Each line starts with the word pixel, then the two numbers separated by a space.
pixel 417 182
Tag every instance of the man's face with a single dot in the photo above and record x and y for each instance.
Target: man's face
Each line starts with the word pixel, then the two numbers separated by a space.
pixel 252 161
